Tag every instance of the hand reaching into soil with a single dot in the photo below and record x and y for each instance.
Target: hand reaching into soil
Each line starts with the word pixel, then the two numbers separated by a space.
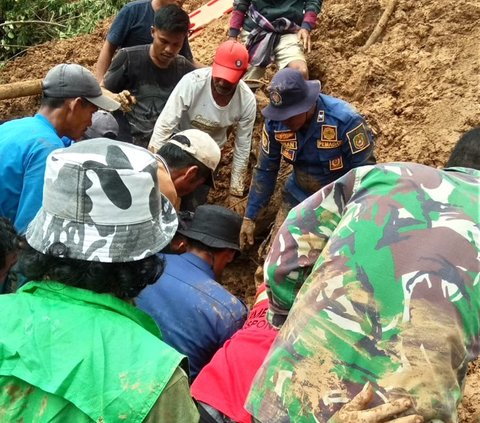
pixel 355 411
pixel 246 233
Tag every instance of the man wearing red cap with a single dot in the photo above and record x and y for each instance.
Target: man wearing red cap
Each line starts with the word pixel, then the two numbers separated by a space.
pixel 214 99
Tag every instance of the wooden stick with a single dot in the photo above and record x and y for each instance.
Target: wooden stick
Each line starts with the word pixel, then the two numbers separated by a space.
pixel 382 23
pixel 20 89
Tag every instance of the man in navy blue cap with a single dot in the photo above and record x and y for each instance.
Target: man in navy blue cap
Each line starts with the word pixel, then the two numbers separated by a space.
pixel 321 136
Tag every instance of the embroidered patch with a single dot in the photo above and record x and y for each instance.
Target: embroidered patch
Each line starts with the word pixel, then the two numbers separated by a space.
pixel 289 154
pixel 285 136
pixel 328 144
pixel 358 139
pixel 336 163
pixel 275 98
pixel 321 116
pixel 265 141
pixel 289 145
pixel 329 133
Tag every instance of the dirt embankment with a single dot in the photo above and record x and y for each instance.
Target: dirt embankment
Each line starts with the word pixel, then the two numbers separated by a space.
pixel 418 86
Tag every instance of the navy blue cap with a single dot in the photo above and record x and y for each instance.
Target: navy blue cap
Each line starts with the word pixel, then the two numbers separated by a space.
pixel 290 95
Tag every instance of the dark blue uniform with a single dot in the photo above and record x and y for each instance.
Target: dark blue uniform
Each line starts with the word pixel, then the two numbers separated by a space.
pixel 336 140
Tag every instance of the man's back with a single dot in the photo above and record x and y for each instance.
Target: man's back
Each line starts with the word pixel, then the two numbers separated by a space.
pixel 24 146
pixel 393 296
pixel 196 315
pixel 62 340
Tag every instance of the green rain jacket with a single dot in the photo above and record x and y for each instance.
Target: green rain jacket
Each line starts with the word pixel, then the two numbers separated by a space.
pixel 69 354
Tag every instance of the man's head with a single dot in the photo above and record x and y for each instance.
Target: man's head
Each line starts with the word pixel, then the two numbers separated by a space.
pixel 169 30
pixel 214 229
pixel 229 65
pixel 192 157
pixel 102 208
pixel 466 152
pixel 104 125
pixel 73 94
pixel 291 98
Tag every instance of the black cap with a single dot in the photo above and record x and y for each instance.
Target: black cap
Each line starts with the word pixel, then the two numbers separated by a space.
pixel 215 226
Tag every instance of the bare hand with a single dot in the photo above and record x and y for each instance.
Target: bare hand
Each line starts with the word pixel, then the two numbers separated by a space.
pixel 126 100
pixel 355 411
pixel 237 203
pixel 304 37
pixel 246 233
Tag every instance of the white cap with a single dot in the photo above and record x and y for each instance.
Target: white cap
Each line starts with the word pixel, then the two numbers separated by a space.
pixel 202 146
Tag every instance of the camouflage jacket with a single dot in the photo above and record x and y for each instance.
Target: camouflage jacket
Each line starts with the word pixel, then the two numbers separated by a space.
pixel 379 275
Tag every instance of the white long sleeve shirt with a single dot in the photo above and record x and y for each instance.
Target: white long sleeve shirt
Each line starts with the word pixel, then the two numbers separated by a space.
pixel 191 105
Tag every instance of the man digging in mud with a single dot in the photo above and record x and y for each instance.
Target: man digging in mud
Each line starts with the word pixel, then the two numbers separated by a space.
pixel 321 136
pixel 375 278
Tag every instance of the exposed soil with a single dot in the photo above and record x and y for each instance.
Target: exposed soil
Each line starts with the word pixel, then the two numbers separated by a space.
pixel 418 87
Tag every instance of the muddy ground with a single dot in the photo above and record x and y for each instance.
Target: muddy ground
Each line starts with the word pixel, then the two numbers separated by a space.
pixel 418 87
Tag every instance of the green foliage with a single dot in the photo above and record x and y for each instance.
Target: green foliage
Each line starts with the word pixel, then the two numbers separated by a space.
pixel 24 23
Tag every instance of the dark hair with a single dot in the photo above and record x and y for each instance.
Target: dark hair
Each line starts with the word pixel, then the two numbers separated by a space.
pixel 9 239
pixel 177 158
pixel 201 246
pixel 124 280
pixel 57 103
pixel 466 152
pixel 52 103
pixel 172 18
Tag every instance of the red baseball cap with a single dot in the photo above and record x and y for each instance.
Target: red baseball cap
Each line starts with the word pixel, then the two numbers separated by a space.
pixel 230 62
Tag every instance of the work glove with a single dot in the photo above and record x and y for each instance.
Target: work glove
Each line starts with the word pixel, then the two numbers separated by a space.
pixel 126 100
pixel 246 233
pixel 355 410
pixel 237 203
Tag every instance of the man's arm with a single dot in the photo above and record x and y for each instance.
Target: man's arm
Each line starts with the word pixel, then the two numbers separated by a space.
pixel 243 144
pixel 299 243
pixel 358 144
pixel 263 183
pixel 240 8
pixel 116 36
pixel 312 9
pixel 104 60
pixel 167 122
pixel 264 174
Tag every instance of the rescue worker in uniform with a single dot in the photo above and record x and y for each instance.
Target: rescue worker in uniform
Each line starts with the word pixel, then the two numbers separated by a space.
pixel 323 138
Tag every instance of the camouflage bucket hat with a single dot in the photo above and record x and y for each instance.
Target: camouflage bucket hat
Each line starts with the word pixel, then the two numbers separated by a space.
pixel 101 202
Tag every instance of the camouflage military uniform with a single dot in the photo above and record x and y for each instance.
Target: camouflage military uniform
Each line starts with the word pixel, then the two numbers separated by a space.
pixel 381 272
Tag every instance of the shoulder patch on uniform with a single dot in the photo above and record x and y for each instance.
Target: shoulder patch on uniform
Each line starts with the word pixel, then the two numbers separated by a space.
pixel 321 116
pixel 265 141
pixel 281 136
pixel 336 163
pixel 358 139
pixel 329 133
